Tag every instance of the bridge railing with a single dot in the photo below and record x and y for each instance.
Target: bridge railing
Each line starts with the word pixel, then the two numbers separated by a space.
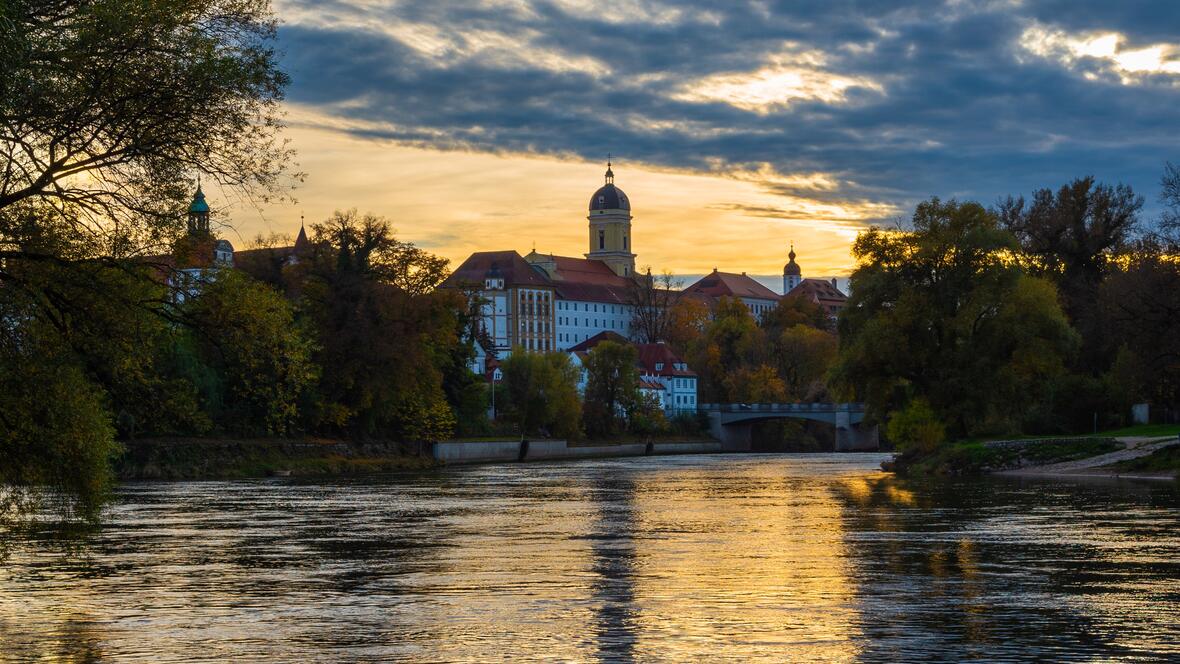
pixel 780 407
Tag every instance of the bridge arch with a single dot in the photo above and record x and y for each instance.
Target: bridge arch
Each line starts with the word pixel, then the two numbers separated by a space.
pixel 732 423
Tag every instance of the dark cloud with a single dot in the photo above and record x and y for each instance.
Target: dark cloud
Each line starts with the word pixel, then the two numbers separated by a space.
pixel 962 110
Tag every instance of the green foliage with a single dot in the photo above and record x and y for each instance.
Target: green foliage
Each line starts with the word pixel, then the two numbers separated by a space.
pixel 246 335
pixel 915 428
pixel 944 313
pixel 385 345
pixel 138 94
pixel 542 394
pixel 612 388
pixel 55 434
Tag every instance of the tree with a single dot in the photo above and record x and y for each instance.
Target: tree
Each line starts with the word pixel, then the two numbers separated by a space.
pixel 1169 227
pixel 1140 302
pixel 802 356
pixel 795 310
pixel 383 339
pixel 943 313
pixel 107 106
pixel 1070 237
pixel 687 321
pixel 55 432
pixel 612 387
pixel 652 301
pixel 542 391
pixel 245 333
pixel 107 110
pixel 730 341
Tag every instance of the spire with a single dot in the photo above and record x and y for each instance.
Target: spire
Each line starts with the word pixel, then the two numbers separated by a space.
pixel 610 175
pixel 792 254
pixel 301 241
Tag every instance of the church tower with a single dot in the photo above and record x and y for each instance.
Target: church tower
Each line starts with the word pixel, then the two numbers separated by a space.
pixel 792 274
pixel 198 213
pixel 610 227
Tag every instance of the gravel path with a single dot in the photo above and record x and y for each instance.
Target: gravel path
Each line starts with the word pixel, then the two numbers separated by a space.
pixel 1096 465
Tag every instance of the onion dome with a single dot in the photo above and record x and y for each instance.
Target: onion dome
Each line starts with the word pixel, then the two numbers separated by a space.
pixel 792 268
pixel 609 197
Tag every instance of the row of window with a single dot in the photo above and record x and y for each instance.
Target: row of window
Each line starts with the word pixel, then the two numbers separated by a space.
pixel 686 400
pixel 606 308
pixel 531 328
pixel 614 324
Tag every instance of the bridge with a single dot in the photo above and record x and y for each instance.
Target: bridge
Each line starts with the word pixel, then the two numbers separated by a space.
pixel 731 423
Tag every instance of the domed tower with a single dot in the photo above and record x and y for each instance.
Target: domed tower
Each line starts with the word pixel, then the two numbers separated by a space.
pixel 198 213
pixel 792 275
pixel 610 227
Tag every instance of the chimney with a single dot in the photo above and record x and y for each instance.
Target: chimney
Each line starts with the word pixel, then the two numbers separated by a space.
pixel 834 284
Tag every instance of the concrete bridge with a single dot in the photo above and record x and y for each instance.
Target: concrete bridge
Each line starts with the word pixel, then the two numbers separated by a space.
pixel 731 423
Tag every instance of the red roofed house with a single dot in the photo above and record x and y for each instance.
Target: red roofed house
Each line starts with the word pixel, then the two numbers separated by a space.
pixel 824 293
pixel 758 298
pixel 662 374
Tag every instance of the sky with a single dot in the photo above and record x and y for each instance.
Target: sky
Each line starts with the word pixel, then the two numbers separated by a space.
pixel 736 128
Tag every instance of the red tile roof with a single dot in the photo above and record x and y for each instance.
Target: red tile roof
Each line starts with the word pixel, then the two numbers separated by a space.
pixel 723 284
pixel 597 339
pixel 513 268
pixel 652 354
pixel 820 292
pixel 586 271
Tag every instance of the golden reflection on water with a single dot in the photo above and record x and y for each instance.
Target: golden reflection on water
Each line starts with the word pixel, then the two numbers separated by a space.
pixel 749 558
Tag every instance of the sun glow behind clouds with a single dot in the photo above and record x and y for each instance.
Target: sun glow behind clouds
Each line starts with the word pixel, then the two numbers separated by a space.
pixel 794 75
pixel 457 202
pixel 1108 48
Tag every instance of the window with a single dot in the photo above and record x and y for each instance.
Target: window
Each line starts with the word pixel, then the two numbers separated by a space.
pixel 601 239
pixel 659 366
pixel 624 241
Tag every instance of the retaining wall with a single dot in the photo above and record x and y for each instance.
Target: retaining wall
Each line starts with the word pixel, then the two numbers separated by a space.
pixel 540 450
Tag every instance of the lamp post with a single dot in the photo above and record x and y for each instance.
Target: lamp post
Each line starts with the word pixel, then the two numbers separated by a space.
pixel 496 376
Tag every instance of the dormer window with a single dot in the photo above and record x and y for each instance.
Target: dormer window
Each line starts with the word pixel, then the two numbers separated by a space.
pixel 659 366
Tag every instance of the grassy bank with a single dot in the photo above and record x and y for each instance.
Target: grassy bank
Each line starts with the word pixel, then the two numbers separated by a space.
pixel 197 458
pixel 1165 461
pixel 978 457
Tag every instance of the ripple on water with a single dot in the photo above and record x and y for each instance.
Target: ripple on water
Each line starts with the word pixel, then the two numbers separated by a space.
pixel 699 558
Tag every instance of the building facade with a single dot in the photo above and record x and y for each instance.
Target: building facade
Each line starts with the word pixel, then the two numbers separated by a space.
pixel 544 302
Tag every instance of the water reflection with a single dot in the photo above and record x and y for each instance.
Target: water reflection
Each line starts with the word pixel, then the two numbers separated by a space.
pixel 772 558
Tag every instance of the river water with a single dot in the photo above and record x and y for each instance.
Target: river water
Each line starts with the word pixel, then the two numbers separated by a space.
pixel 694 558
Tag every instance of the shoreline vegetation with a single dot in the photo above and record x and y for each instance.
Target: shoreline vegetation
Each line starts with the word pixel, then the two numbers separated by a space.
pixel 1150 451
pixel 189 458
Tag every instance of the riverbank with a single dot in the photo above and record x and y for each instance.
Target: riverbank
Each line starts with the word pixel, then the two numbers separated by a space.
pixel 198 458
pixel 1156 457
pixel 499 451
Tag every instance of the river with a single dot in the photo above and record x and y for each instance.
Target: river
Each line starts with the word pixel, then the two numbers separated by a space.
pixel 692 558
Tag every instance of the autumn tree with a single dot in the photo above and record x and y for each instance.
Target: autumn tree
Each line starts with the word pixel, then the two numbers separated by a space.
pixel 542 391
pixel 944 314
pixel 245 334
pixel 730 341
pixel 382 334
pixel 612 387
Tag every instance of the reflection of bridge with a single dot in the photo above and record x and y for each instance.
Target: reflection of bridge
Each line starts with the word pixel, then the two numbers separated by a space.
pixel 731 423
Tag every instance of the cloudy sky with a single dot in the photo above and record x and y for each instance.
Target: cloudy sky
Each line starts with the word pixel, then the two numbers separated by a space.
pixel 737 127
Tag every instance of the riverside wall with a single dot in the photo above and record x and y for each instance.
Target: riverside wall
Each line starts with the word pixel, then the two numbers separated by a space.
pixel 455 452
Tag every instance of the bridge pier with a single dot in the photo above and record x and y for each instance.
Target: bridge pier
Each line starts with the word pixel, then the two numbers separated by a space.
pixel 852 437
